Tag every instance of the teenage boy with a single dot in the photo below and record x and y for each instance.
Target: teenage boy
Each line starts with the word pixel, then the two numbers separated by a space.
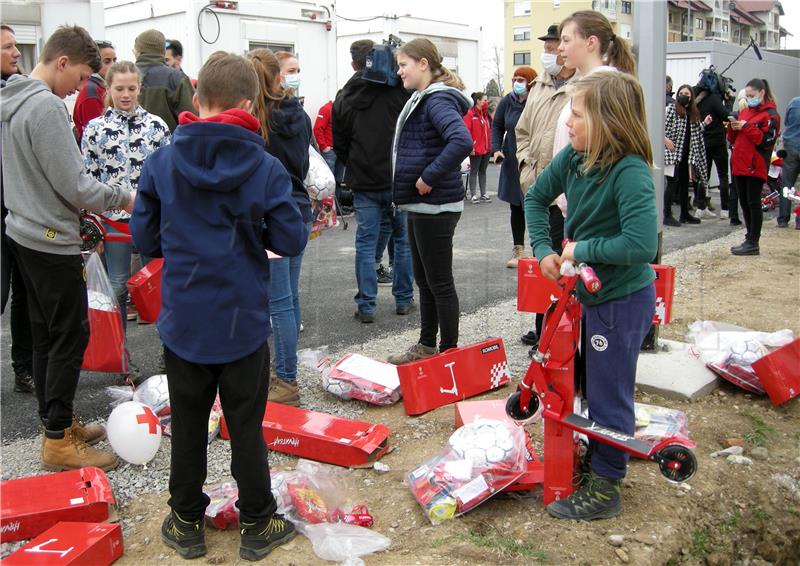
pixel 209 204
pixel 44 188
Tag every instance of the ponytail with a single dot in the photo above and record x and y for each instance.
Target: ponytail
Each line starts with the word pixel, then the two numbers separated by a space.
pixel 446 76
pixel 619 55
pixel 422 48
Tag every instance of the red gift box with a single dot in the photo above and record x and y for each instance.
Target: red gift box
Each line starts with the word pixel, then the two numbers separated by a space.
pixel 105 351
pixel 320 436
pixel 29 506
pixel 453 376
pixel 665 290
pixel 145 290
pixel 779 372
pixel 72 544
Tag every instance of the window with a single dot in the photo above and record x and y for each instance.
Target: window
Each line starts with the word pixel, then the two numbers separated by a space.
pixel 522 58
pixel 699 23
pixel 725 28
pixel 522 33
pixel 626 7
pixel 522 9
pixel 274 47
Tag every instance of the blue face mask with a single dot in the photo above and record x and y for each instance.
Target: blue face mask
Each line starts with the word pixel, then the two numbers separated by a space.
pixel 753 102
pixel 520 89
pixel 292 81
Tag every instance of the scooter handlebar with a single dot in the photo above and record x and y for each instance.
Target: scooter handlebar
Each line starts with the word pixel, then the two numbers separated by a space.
pixel 590 280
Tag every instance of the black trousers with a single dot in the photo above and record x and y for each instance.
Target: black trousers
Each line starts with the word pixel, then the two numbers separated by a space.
pixel 679 184
pixel 58 310
pixel 243 387
pixel 749 189
pixel 518 224
pixel 477 173
pixel 431 240
pixel 20 323
pixel 719 155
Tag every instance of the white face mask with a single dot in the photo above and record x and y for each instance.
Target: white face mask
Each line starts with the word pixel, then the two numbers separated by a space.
pixel 549 63
pixel 292 81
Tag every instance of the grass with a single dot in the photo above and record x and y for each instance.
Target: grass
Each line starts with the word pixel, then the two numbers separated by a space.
pixel 730 524
pixel 699 547
pixel 761 431
pixel 502 544
pixel 761 515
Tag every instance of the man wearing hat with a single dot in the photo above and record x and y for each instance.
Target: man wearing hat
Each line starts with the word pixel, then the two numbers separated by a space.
pixel 166 92
pixel 536 130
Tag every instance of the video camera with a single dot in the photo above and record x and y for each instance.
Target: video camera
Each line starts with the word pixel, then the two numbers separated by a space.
pixel 381 63
pixel 714 82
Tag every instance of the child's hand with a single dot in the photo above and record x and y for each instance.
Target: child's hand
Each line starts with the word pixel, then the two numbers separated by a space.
pixel 551 267
pixel 423 188
pixel 568 254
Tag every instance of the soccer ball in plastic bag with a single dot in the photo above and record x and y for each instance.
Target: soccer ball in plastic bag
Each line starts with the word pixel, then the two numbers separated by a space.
pixel 99 301
pixel 485 442
pixel 154 393
pixel 745 352
pixel 336 386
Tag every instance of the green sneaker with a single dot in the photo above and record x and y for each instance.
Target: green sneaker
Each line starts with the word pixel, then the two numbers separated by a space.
pixel 187 538
pixel 259 539
pixel 597 498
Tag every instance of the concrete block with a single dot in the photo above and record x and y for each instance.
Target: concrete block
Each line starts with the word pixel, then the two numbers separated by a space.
pixel 673 371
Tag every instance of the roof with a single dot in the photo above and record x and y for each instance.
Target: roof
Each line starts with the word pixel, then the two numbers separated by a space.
pixel 744 18
pixel 697 5
pixel 759 6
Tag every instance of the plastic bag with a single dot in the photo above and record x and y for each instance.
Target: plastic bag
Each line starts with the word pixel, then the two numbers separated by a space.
pixel 480 460
pixel 105 351
pixel 339 542
pixel 325 216
pixel 654 423
pixel 222 512
pixel 360 377
pixel 319 182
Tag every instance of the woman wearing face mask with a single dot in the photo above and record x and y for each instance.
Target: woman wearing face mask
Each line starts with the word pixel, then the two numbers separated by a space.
pixel 504 144
pixel 753 137
pixel 479 124
pixel 115 146
pixel 685 149
pixel 290 71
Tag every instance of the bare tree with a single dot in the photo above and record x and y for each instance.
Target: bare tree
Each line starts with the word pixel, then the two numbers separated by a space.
pixel 495 66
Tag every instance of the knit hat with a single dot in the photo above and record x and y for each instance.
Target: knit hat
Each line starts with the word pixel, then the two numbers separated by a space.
pixel 527 73
pixel 150 41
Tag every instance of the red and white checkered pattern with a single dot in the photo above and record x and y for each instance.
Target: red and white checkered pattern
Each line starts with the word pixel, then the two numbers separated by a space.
pixel 499 374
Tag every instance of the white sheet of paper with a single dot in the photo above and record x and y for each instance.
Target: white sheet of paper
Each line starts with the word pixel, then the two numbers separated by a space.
pixel 371 370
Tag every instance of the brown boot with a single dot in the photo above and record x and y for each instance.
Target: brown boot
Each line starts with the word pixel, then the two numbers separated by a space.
pixel 517 254
pixel 70 452
pixel 283 392
pixel 414 353
pixel 91 434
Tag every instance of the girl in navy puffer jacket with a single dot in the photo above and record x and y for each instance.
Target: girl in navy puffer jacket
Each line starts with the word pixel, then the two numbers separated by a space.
pixel 430 142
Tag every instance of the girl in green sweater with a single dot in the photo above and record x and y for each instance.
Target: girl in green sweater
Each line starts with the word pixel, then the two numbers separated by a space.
pixel 606 175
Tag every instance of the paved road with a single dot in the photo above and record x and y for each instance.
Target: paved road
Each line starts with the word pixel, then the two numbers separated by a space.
pixel 482 247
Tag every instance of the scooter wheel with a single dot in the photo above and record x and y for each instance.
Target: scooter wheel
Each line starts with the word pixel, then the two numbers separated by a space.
pixel 677 463
pixel 514 411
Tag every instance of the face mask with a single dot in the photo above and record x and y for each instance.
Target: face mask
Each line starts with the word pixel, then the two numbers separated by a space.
pixel 549 63
pixel 292 81
pixel 520 89
pixel 683 100
pixel 753 102
pixel 485 105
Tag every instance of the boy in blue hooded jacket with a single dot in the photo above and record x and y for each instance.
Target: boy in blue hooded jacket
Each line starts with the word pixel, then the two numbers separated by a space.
pixel 210 204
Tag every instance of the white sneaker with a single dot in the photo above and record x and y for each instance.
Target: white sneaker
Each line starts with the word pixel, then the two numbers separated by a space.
pixel 475 200
pixel 705 213
pixel 723 214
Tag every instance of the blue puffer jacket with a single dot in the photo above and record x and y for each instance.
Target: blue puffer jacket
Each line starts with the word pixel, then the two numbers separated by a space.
pixel 431 141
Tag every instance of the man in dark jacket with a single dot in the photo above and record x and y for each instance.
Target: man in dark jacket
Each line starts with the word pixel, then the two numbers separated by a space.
pixel 710 104
pixel 166 92
pixel 91 101
pixel 364 116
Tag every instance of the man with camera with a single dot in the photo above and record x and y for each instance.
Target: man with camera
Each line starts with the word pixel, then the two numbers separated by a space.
pixel 364 115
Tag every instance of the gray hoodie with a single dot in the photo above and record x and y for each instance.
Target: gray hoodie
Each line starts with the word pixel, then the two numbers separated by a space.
pixel 44 182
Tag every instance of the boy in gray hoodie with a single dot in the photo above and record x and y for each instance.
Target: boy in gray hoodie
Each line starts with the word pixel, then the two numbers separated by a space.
pixel 44 188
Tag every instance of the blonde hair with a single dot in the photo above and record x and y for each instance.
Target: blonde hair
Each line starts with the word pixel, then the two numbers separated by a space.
pixel 268 68
pixel 119 68
pixel 615 50
pixel 421 48
pixel 615 119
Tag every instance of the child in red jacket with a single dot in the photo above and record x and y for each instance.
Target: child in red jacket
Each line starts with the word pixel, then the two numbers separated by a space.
pixel 479 124
pixel 753 137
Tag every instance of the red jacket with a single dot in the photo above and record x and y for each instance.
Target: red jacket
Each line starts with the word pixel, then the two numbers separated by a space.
pixel 763 125
pixel 479 125
pixel 323 131
pixel 90 103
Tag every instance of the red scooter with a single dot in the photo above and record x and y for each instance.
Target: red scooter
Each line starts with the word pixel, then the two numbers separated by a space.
pixel 555 392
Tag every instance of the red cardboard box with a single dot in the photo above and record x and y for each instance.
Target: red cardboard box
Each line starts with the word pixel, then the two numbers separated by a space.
pixel 453 376
pixel 779 372
pixel 30 506
pixel 145 290
pixel 72 544
pixel 320 436
pixel 535 293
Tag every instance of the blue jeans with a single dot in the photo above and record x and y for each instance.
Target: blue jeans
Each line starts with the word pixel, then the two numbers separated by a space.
pixel 284 311
pixel 385 241
pixel 330 159
pixel 117 257
pixel 371 209
pixel 791 168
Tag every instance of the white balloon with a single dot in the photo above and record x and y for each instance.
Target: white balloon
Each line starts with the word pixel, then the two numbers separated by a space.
pixel 133 432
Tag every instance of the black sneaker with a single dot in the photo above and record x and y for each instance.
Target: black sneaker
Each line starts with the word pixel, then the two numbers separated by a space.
pixel 134 377
pixel 530 338
pixel 384 276
pixel 671 221
pixel 404 309
pixel 597 498
pixel 364 318
pixel 259 539
pixel 747 248
pixel 736 222
pixel 689 219
pixel 187 538
pixel 23 383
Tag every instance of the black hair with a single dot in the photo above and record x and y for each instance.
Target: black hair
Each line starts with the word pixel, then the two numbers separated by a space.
pixel 359 51
pixel 762 84
pixel 476 96
pixel 175 46
pixel 103 44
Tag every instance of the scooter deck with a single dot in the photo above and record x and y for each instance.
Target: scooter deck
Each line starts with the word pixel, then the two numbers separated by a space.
pixel 607 435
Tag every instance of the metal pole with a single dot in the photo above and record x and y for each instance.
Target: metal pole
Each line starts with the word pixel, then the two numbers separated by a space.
pixel 650 46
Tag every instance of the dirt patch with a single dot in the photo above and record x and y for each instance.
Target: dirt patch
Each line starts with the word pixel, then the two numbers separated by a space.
pixel 732 513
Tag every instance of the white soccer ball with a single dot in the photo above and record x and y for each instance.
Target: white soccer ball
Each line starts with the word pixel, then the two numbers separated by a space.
pixel 485 442
pixel 154 393
pixel 99 301
pixel 745 352
pixel 336 387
